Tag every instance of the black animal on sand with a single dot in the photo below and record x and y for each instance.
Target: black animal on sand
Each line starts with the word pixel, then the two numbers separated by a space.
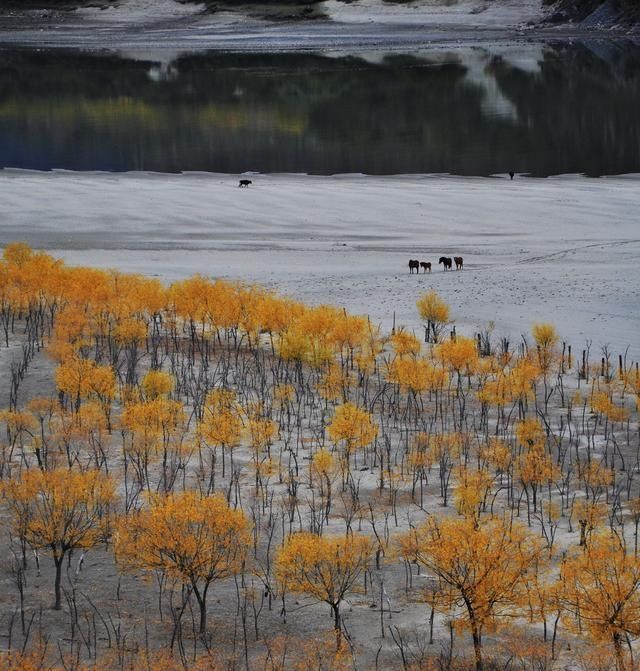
pixel 414 264
pixel 458 261
pixel 446 262
pixel 244 182
pixel 426 265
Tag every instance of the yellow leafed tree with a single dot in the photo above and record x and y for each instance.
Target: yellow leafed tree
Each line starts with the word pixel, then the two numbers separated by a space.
pixel 353 427
pixel 601 591
pixel 196 539
pixel 471 490
pixel 326 567
pixel 81 378
pixel 405 344
pixel 546 340
pixel 460 354
pixel 435 312
pixel 535 465
pixel 60 510
pixel 157 383
pixel 222 421
pixel 481 567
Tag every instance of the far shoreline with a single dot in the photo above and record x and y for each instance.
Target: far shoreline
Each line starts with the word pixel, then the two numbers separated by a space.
pixel 207 174
pixel 233 31
pixel 386 40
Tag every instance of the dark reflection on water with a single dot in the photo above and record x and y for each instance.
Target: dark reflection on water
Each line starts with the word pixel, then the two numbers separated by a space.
pixel 543 109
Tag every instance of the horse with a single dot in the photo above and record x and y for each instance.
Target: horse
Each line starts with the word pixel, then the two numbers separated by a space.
pixel 458 260
pixel 426 265
pixel 414 264
pixel 512 174
pixel 244 182
pixel 446 262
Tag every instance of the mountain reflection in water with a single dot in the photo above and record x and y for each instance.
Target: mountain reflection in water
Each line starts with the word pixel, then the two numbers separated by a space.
pixel 542 109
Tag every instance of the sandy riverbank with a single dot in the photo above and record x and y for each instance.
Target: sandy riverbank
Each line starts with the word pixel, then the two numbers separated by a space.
pixel 563 249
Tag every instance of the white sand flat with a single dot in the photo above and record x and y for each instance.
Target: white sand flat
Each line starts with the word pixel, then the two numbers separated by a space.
pixel 563 249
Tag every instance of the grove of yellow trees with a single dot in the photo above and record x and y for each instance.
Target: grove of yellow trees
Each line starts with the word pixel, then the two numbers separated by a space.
pixel 195 475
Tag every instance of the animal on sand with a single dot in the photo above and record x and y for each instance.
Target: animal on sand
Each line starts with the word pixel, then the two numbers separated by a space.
pixel 244 182
pixel 511 174
pixel 425 265
pixel 446 262
pixel 414 264
pixel 458 261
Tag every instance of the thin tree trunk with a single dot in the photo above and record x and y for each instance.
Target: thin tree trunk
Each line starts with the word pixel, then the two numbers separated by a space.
pixel 617 646
pixel 201 597
pixel 58 563
pixel 477 646
pixel 337 624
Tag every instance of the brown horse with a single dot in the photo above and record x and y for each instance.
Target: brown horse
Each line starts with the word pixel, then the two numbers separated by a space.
pixel 426 265
pixel 446 262
pixel 458 260
pixel 414 265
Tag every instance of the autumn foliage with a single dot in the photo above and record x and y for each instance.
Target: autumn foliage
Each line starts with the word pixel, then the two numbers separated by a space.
pixel 325 567
pixel 59 511
pixel 204 470
pixel 197 539
pixel 482 569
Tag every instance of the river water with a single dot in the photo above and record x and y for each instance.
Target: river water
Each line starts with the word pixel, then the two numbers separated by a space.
pixel 538 108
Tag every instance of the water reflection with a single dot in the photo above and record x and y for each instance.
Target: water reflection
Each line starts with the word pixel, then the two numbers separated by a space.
pixel 542 109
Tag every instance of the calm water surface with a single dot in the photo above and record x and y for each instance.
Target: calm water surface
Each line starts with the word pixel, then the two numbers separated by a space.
pixel 543 109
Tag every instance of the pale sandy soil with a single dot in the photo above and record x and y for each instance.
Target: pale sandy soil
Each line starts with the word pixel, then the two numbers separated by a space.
pixel 479 13
pixel 362 24
pixel 562 249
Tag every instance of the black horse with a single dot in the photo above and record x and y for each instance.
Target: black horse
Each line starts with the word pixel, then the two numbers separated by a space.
pixel 425 265
pixel 446 262
pixel 414 265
